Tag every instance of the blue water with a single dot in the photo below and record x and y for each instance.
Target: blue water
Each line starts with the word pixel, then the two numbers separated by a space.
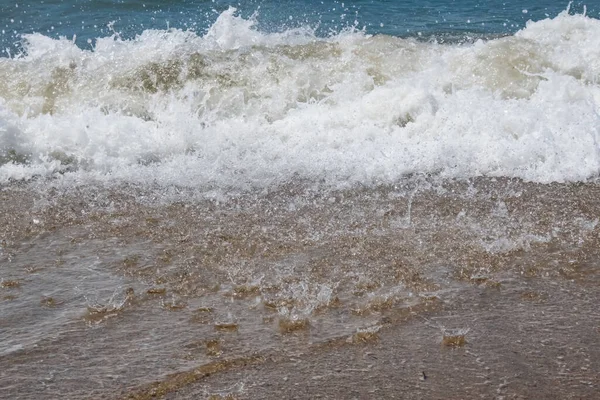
pixel 86 20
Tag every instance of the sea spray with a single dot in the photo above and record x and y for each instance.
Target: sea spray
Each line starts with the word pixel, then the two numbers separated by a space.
pixel 236 108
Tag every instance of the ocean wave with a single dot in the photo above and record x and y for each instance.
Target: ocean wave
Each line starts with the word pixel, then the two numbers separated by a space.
pixel 239 108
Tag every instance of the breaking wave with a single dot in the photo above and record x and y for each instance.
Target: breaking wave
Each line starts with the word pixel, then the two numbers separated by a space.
pixel 236 108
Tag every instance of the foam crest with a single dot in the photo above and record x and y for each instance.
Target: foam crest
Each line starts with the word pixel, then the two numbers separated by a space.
pixel 570 42
pixel 237 108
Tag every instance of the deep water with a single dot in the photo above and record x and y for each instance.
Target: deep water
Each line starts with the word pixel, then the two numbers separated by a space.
pixel 86 20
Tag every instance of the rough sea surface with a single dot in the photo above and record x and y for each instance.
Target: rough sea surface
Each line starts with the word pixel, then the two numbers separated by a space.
pixel 265 200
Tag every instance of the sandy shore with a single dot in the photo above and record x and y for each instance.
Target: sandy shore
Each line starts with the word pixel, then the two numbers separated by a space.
pixel 538 341
pixel 476 289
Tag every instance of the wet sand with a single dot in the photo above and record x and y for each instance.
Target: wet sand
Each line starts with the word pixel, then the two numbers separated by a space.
pixel 515 349
pixel 429 289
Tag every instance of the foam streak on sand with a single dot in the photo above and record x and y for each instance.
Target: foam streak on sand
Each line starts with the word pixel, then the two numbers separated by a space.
pixel 236 108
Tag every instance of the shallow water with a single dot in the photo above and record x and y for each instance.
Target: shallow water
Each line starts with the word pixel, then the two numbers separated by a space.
pixel 108 290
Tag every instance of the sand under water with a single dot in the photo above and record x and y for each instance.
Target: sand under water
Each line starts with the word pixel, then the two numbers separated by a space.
pixel 430 288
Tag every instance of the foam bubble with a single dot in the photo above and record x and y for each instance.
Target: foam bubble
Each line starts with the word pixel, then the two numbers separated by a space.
pixel 237 108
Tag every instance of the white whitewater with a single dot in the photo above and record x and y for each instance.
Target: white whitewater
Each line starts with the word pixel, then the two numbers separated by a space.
pixel 239 109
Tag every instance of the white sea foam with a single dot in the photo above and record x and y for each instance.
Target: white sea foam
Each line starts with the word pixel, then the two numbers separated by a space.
pixel 237 108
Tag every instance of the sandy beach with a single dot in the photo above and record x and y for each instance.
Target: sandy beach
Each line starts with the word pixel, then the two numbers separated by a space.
pixel 430 289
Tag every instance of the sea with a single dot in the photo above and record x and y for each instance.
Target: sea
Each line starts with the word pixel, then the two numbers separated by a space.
pixel 299 199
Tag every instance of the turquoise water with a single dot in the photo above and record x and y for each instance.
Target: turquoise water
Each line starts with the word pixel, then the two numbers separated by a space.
pixel 86 20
